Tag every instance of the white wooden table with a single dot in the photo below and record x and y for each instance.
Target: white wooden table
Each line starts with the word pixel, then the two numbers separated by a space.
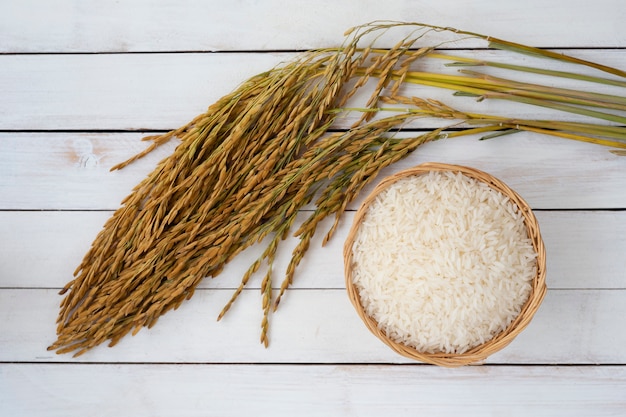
pixel 82 81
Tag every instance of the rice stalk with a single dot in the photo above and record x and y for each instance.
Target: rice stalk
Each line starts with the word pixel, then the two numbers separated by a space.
pixel 459 61
pixel 246 167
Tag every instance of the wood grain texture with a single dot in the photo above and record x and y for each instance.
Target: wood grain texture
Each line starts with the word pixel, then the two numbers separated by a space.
pixel 191 25
pixel 89 92
pixel 47 246
pixel 70 171
pixel 216 390
pixel 311 326
pixel 165 91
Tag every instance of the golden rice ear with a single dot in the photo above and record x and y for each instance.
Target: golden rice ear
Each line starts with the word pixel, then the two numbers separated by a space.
pixel 479 353
pixel 245 167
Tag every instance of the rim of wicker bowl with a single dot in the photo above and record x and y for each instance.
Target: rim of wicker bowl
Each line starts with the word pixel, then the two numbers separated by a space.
pixel 480 352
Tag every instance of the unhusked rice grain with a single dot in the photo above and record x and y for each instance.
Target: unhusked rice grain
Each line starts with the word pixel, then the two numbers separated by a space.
pixel 442 262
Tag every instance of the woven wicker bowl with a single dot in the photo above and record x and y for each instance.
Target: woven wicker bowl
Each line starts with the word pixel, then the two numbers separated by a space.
pixel 481 352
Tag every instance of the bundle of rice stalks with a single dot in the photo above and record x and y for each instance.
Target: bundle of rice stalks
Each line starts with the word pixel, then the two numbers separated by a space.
pixel 245 167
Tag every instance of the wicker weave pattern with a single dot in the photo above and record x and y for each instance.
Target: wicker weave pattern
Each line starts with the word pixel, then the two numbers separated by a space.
pixel 481 352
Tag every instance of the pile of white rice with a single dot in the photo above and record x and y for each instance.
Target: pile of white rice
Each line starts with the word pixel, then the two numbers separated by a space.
pixel 442 262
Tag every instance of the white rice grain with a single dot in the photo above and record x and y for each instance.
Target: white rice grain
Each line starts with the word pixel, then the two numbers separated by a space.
pixel 442 262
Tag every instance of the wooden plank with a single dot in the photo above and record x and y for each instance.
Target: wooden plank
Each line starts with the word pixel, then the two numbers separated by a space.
pixel 118 91
pixel 164 91
pixel 311 326
pixel 61 171
pixel 232 390
pixel 70 170
pixel 584 251
pixel 167 25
